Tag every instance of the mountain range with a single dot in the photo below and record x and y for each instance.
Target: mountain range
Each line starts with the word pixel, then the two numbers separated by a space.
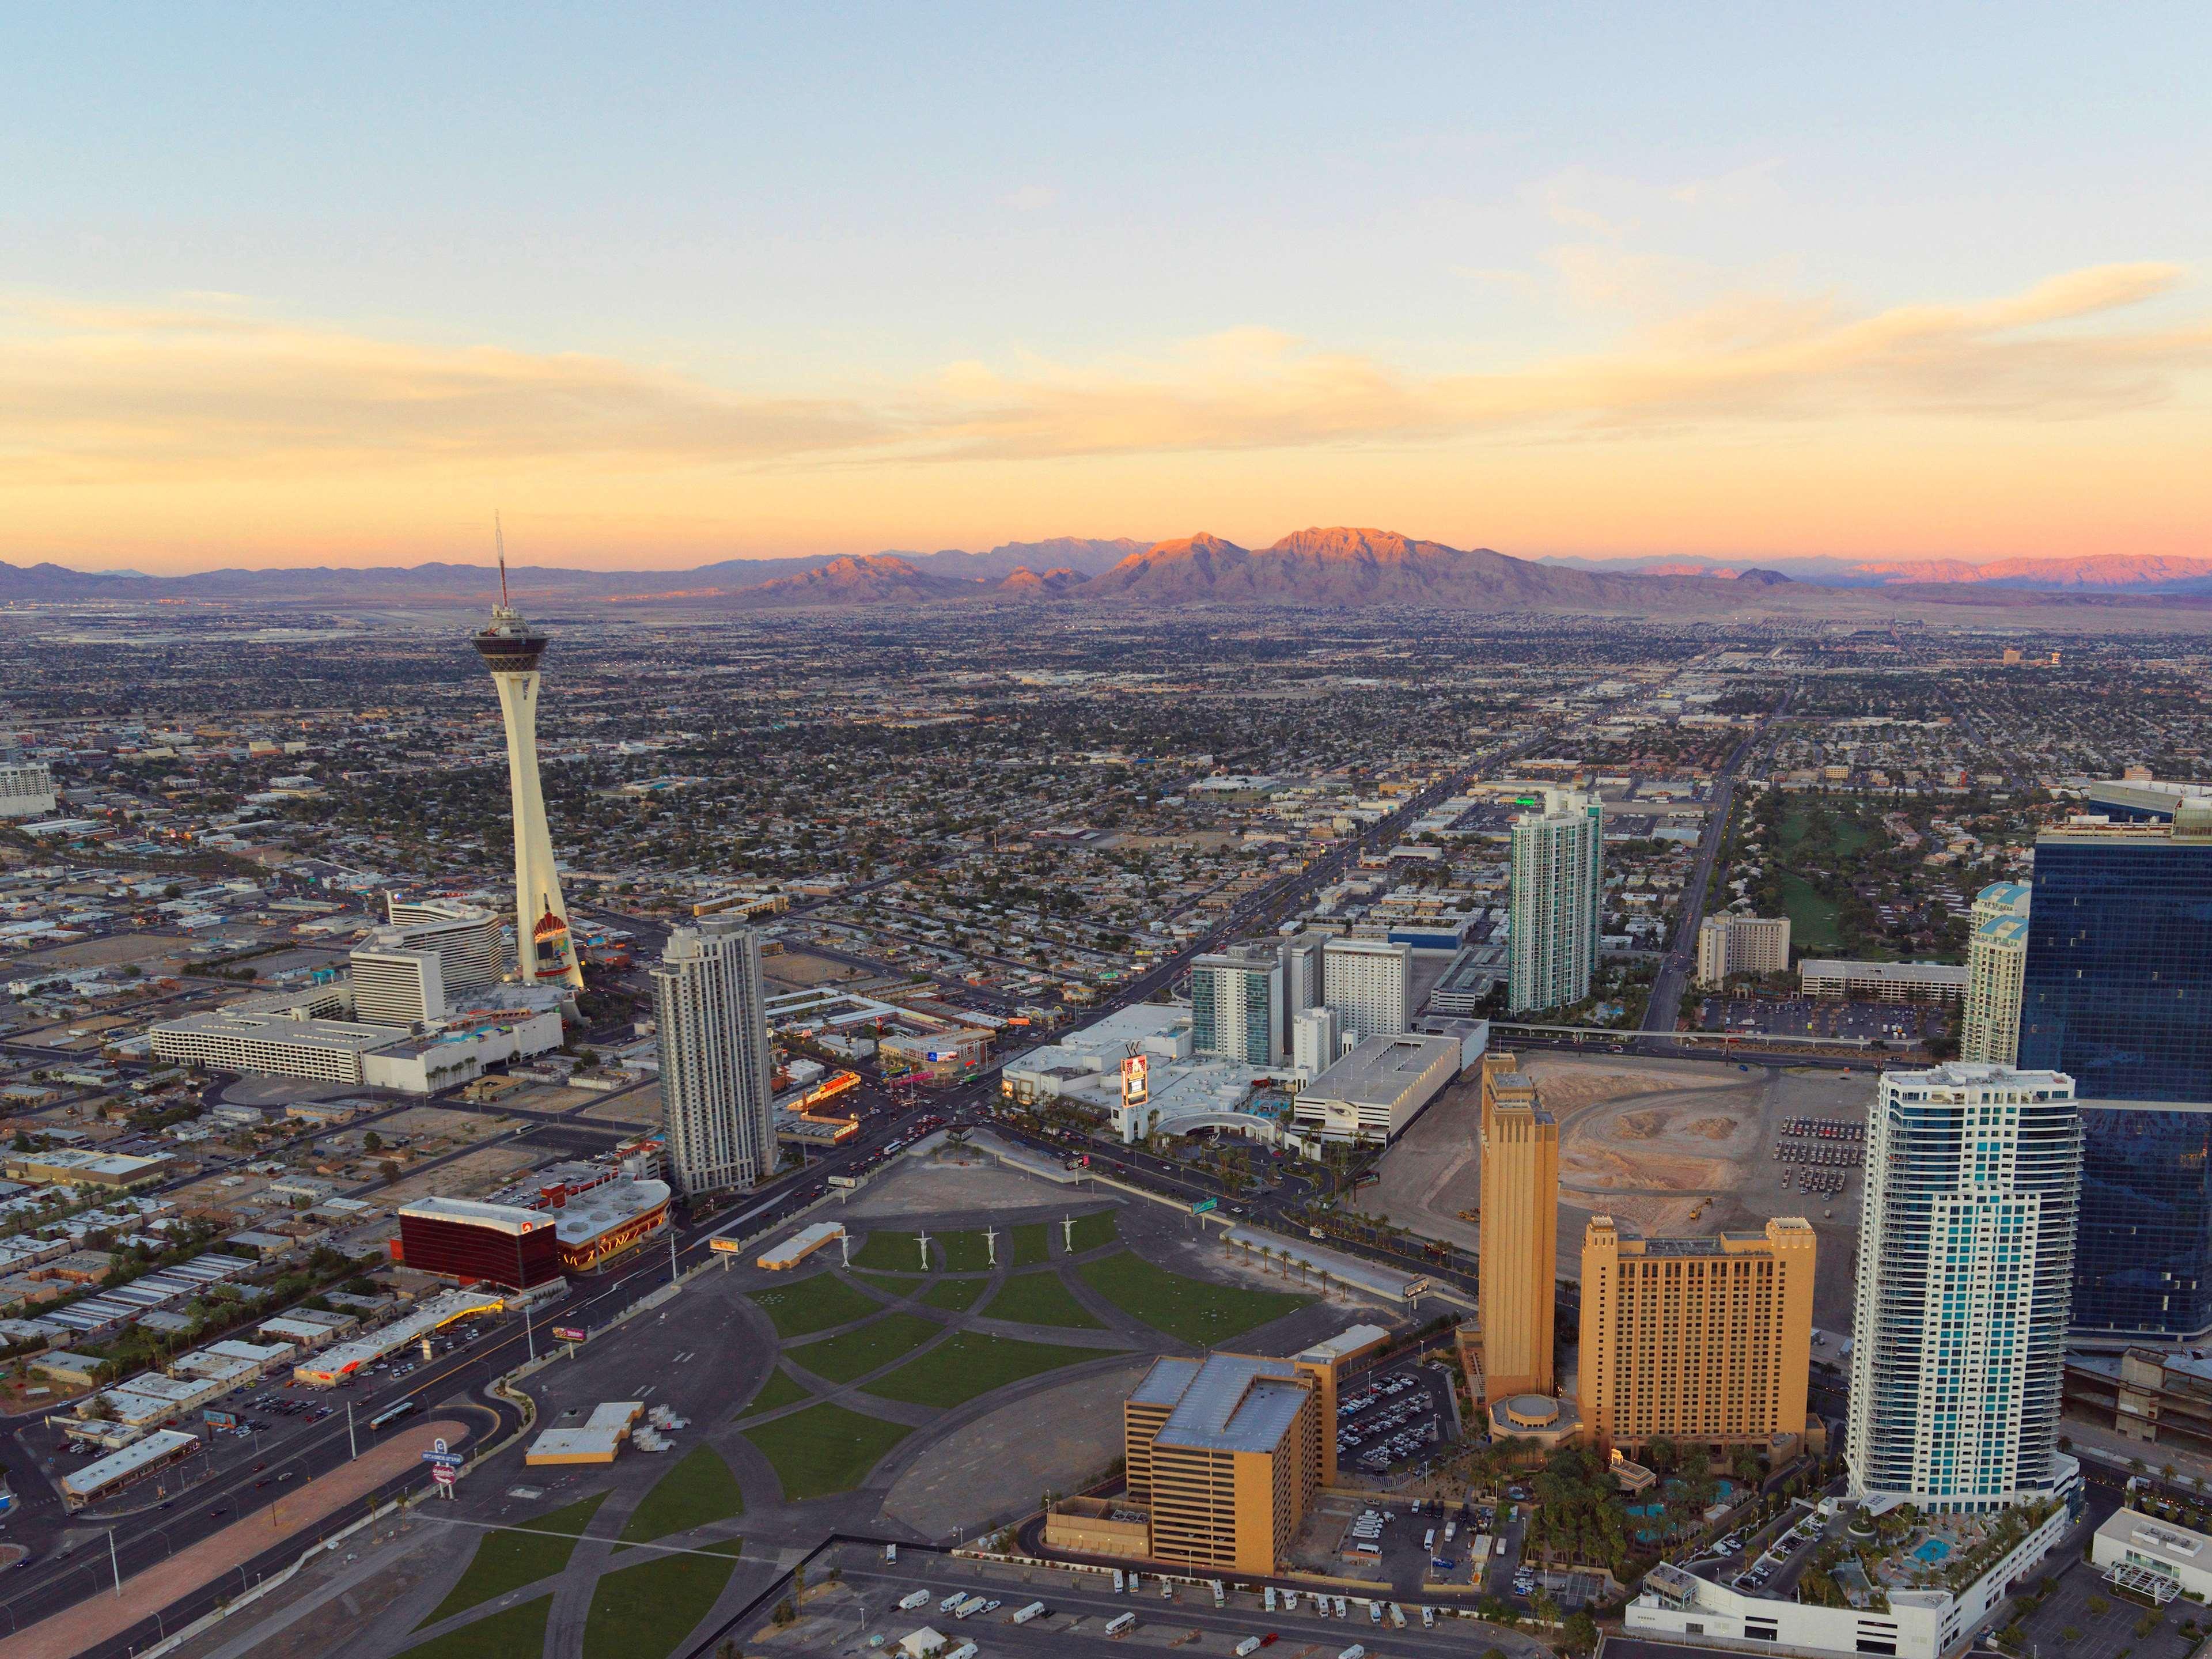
pixel 1336 567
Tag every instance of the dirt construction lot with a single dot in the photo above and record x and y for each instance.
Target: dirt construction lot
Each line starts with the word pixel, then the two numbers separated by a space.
pixel 1665 1146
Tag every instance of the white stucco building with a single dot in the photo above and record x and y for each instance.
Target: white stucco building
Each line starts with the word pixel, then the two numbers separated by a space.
pixel 1974 1181
pixel 715 1064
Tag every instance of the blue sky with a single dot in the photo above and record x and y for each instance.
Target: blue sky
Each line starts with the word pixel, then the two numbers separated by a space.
pixel 880 208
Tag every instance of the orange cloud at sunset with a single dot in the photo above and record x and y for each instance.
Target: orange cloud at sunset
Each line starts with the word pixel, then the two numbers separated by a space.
pixel 2056 420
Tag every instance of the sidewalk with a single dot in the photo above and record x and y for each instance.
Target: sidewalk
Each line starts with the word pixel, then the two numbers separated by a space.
pixel 97 1618
pixel 2113 1450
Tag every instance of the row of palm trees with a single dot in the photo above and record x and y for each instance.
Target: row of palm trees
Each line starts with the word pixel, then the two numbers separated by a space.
pixel 1286 1257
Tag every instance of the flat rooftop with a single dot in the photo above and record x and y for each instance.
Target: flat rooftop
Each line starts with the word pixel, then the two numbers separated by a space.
pixel 1381 1069
pixel 1228 1401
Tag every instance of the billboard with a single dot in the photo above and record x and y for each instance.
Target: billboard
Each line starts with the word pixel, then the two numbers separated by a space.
pixel 1136 1080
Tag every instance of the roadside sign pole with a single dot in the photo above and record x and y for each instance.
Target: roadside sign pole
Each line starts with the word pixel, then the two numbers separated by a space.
pixel 114 1562
pixel 353 1450
pixel 529 1334
pixel 672 1253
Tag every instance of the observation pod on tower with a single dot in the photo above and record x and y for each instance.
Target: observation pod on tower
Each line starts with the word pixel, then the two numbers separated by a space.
pixel 510 648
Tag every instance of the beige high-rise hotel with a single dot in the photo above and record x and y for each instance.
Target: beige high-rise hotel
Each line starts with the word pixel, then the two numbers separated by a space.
pixel 1704 1341
pixel 1518 1267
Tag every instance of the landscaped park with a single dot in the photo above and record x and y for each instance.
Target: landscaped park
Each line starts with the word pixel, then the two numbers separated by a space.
pixel 836 1379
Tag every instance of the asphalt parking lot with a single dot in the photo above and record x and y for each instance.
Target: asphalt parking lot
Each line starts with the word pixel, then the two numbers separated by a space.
pixel 2068 1623
pixel 1880 1022
pixel 1389 1420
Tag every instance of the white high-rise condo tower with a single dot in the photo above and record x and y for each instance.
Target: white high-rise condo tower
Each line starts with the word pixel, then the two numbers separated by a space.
pixel 715 1064
pixel 511 647
pixel 1557 892
pixel 1974 1186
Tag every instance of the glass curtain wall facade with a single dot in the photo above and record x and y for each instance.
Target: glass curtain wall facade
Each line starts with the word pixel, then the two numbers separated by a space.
pixel 2117 993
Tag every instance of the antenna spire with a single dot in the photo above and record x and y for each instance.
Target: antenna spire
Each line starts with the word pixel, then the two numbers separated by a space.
pixel 499 536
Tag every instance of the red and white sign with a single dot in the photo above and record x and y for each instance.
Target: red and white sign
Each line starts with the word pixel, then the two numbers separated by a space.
pixel 444 1475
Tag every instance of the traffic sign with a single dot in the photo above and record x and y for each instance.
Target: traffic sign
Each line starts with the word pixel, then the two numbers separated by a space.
pixel 444 1475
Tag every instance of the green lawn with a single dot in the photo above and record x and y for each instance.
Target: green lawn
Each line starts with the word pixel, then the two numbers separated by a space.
pixel 699 1489
pixel 1040 1298
pixel 779 1390
pixel 969 1253
pixel 1845 832
pixel 1032 1244
pixel 643 1612
pixel 1093 1230
pixel 885 1284
pixel 971 1365
pixel 878 1342
pixel 1811 918
pixel 1203 1314
pixel 956 1294
pixel 814 1304
pixel 824 1448
pixel 518 1633
pixel 898 1253
pixel 506 1561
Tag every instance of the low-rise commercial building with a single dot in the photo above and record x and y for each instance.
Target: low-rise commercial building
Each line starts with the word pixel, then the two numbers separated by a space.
pixel 1378 1089
pixel 479 1243
pixel 2153 1559
pixel 1885 981
pixel 1982 1557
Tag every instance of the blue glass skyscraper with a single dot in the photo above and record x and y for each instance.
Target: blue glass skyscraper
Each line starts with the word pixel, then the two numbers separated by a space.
pixel 2118 995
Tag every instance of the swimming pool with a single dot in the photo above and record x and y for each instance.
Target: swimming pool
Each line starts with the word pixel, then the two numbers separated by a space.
pixel 1931 1551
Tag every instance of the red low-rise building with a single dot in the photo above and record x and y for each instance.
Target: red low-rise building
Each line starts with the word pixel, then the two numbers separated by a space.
pixel 475 1244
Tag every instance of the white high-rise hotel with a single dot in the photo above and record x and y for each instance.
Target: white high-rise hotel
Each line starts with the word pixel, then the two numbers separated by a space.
pixel 1974 1186
pixel 1557 895
pixel 510 648
pixel 715 1064
pixel 1365 984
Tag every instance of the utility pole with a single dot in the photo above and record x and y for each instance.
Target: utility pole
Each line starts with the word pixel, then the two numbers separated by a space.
pixel 991 1244
pixel 352 1449
pixel 114 1562
pixel 672 1253
pixel 1068 1233
pixel 529 1334
pixel 845 1249
pixel 923 1240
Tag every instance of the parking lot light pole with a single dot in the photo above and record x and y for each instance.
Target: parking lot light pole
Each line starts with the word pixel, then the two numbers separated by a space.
pixel 353 1449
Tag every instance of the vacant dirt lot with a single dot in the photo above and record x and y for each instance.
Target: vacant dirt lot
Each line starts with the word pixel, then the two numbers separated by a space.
pixel 1664 1146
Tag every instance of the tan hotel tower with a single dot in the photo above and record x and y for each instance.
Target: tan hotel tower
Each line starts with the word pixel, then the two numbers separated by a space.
pixel 1517 1270
pixel 1706 1341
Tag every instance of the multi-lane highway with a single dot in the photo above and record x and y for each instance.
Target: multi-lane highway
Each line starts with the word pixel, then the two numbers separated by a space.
pixel 1681 962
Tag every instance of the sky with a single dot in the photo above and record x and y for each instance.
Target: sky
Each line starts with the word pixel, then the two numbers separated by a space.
pixel 314 285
